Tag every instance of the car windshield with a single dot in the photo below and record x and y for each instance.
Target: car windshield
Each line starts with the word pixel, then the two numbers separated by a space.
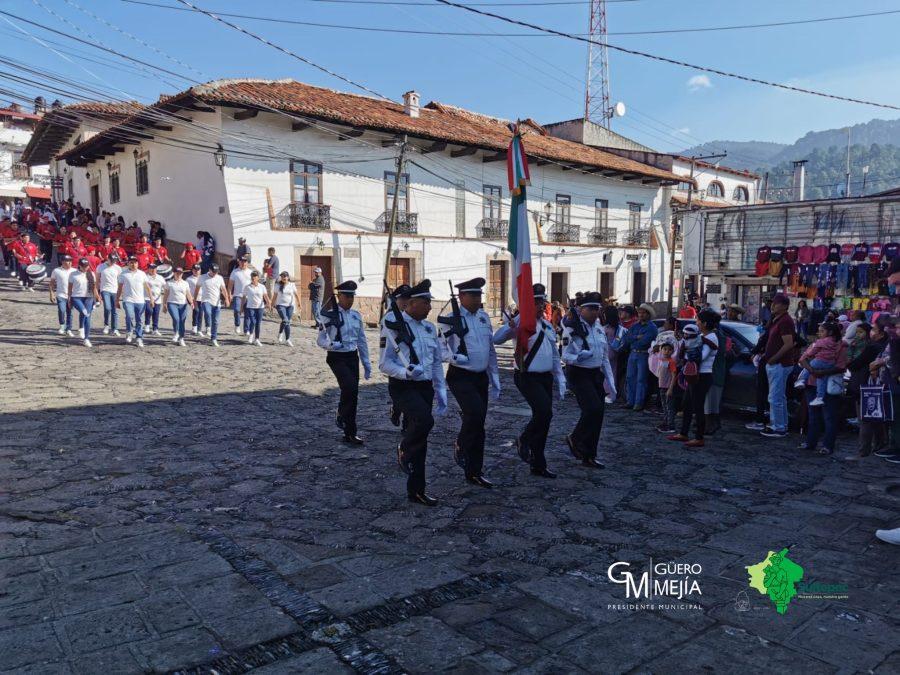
pixel 747 331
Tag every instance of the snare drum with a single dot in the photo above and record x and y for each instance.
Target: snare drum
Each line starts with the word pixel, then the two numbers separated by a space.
pixel 37 272
pixel 165 271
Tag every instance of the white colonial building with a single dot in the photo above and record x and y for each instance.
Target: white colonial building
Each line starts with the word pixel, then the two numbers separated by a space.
pixel 16 180
pixel 312 172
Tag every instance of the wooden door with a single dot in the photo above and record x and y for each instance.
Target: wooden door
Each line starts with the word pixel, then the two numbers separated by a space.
pixel 607 284
pixel 559 287
pixel 496 292
pixel 399 272
pixel 307 264
pixel 639 288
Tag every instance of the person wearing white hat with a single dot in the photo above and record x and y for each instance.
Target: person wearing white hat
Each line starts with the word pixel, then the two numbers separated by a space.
pixel 316 292
pixel 638 341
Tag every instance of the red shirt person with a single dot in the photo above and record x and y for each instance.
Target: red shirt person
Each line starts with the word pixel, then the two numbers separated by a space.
pixel 190 256
pixel 160 253
pixel 26 253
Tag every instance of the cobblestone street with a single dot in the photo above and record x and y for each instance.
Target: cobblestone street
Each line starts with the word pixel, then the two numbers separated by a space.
pixel 192 509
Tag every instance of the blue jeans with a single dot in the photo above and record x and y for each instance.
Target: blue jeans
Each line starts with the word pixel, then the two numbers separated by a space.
pixel 821 382
pixel 236 308
pixel 151 315
pixel 316 308
pixel 197 316
pixel 778 415
pixel 285 312
pixel 84 306
pixel 636 379
pixel 110 313
pixel 253 317
pixel 211 316
pixel 134 318
pixel 64 312
pixel 179 316
pixel 822 424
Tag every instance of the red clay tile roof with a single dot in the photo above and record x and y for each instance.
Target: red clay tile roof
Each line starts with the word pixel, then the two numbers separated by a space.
pixel 7 112
pixel 681 200
pixel 436 121
pixel 37 193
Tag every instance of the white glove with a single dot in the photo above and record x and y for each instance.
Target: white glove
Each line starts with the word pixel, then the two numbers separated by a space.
pixel 460 359
pixel 756 359
pixel 562 390
pixel 583 355
pixel 367 371
pixel 513 321
pixel 441 408
pixel 495 392
pixel 414 371
pixel 336 345
pixel 612 393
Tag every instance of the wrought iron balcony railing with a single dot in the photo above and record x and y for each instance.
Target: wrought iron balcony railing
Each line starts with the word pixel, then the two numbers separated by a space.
pixel 637 237
pixel 563 234
pixel 493 228
pixel 602 235
pixel 407 223
pixel 300 216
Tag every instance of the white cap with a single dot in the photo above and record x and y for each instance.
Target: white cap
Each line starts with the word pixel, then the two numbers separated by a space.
pixel 318 269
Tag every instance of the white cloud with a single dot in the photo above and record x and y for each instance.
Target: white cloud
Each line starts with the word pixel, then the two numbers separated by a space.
pixel 698 82
pixel 686 131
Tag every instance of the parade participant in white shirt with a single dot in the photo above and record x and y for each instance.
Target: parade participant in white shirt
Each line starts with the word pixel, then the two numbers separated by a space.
pixel 82 296
pixel 239 278
pixel 285 299
pixel 214 292
pixel 535 378
pixel 151 309
pixel 400 296
pixel 586 353
pixel 133 293
pixel 176 300
pixel 342 333
pixel 416 375
pixel 473 369
pixel 255 299
pixel 193 282
pixel 108 282
pixel 59 294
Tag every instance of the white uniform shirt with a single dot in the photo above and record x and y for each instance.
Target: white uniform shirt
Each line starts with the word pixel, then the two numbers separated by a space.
pixel 546 360
pixel 211 289
pixel 597 345
pixel 479 344
pixel 395 361
pixel 178 291
pixel 353 335
pixel 133 286
pixel 157 285
pixel 239 278
pixel 61 277
pixel 79 281
pixel 285 298
pixel 255 296
pixel 109 277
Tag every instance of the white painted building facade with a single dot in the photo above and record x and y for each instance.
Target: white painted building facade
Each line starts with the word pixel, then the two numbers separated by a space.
pixel 16 129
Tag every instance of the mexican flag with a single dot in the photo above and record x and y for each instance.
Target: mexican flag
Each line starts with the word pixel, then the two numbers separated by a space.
pixel 519 243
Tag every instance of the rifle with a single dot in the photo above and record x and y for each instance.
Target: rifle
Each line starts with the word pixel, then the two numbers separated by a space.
pixel 573 320
pixel 457 326
pixel 404 335
pixel 335 318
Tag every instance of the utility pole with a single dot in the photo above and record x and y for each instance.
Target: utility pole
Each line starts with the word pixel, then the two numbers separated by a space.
pixel 765 190
pixel 393 223
pixel 865 176
pixel 675 227
pixel 847 189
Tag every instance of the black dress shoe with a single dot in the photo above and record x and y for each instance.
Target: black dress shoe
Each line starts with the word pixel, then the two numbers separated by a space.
pixel 459 456
pixel 423 499
pixel 546 473
pixel 405 465
pixel 480 480
pixel 353 440
pixel 576 453
pixel 522 449
pixel 593 463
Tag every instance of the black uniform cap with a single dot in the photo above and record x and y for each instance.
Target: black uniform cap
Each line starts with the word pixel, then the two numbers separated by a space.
pixel 540 291
pixel 421 290
pixel 472 286
pixel 347 287
pixel 402 291
pixel 591 299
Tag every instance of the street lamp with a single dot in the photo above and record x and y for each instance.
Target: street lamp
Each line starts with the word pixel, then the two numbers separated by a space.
pixel 220 157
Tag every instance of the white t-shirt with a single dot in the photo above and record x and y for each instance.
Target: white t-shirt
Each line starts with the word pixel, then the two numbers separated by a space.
pixel 178 291
pixel 157 286
pixel 255 296
pixel 211 289
pixel 285 298
pixel 193 283
pixel 109 277
pixel 240 278
pixel 132 284
pixel 709 354
pixel 79 282
pixel 61 277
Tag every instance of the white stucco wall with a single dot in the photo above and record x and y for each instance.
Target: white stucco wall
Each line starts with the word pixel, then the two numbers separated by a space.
pixel 704 175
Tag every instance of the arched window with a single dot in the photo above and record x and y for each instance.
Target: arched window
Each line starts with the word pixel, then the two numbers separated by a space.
pixel 715 189
pixel 741 194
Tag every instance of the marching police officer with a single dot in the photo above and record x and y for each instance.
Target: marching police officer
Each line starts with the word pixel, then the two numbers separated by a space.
pixel 342 334
pixel 473 366
pixel 586 353
pixel 412 362
pixel 535 378
pixel 401 298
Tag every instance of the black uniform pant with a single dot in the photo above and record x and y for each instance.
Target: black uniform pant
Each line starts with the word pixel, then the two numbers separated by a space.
pixel 345 366
pixel 537 388
pixel 694 398
pixel 587 383
pixel 414 399
pixel 471 392
pixel 23 276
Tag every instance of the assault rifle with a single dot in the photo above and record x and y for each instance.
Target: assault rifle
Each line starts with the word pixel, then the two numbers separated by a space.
pixel 403 334
pixel 457 326
pixel 335 318
pixel 573 320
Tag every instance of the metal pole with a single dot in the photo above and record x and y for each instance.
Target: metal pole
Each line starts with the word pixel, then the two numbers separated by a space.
pixel 393 224
pixel 765 191
pixel 847 189
pixel 690 199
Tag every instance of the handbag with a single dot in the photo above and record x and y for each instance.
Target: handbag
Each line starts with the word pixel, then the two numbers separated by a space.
pixel 875 403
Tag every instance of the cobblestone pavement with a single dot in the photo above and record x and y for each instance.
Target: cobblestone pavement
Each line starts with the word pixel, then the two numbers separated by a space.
pixel 191 509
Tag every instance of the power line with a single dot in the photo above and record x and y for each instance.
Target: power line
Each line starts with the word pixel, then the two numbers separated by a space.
pixel 664 59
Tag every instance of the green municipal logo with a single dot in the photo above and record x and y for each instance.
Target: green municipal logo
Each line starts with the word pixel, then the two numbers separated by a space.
pixel 776 576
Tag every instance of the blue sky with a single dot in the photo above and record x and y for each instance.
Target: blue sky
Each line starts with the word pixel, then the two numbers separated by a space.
pixel 538 77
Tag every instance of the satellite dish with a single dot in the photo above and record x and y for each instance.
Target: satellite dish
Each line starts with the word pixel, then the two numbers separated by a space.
pixel 619 109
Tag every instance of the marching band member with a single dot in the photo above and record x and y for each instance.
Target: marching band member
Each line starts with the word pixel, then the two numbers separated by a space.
pixel 586 355
pixel 26 253
pixel 535 378
pixel 160 253
pixel 82 295
pixel 473 367
pixel 342 334
pixel 413 385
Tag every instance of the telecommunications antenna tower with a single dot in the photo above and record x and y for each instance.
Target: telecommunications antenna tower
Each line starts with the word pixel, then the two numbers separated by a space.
pixel 596 90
